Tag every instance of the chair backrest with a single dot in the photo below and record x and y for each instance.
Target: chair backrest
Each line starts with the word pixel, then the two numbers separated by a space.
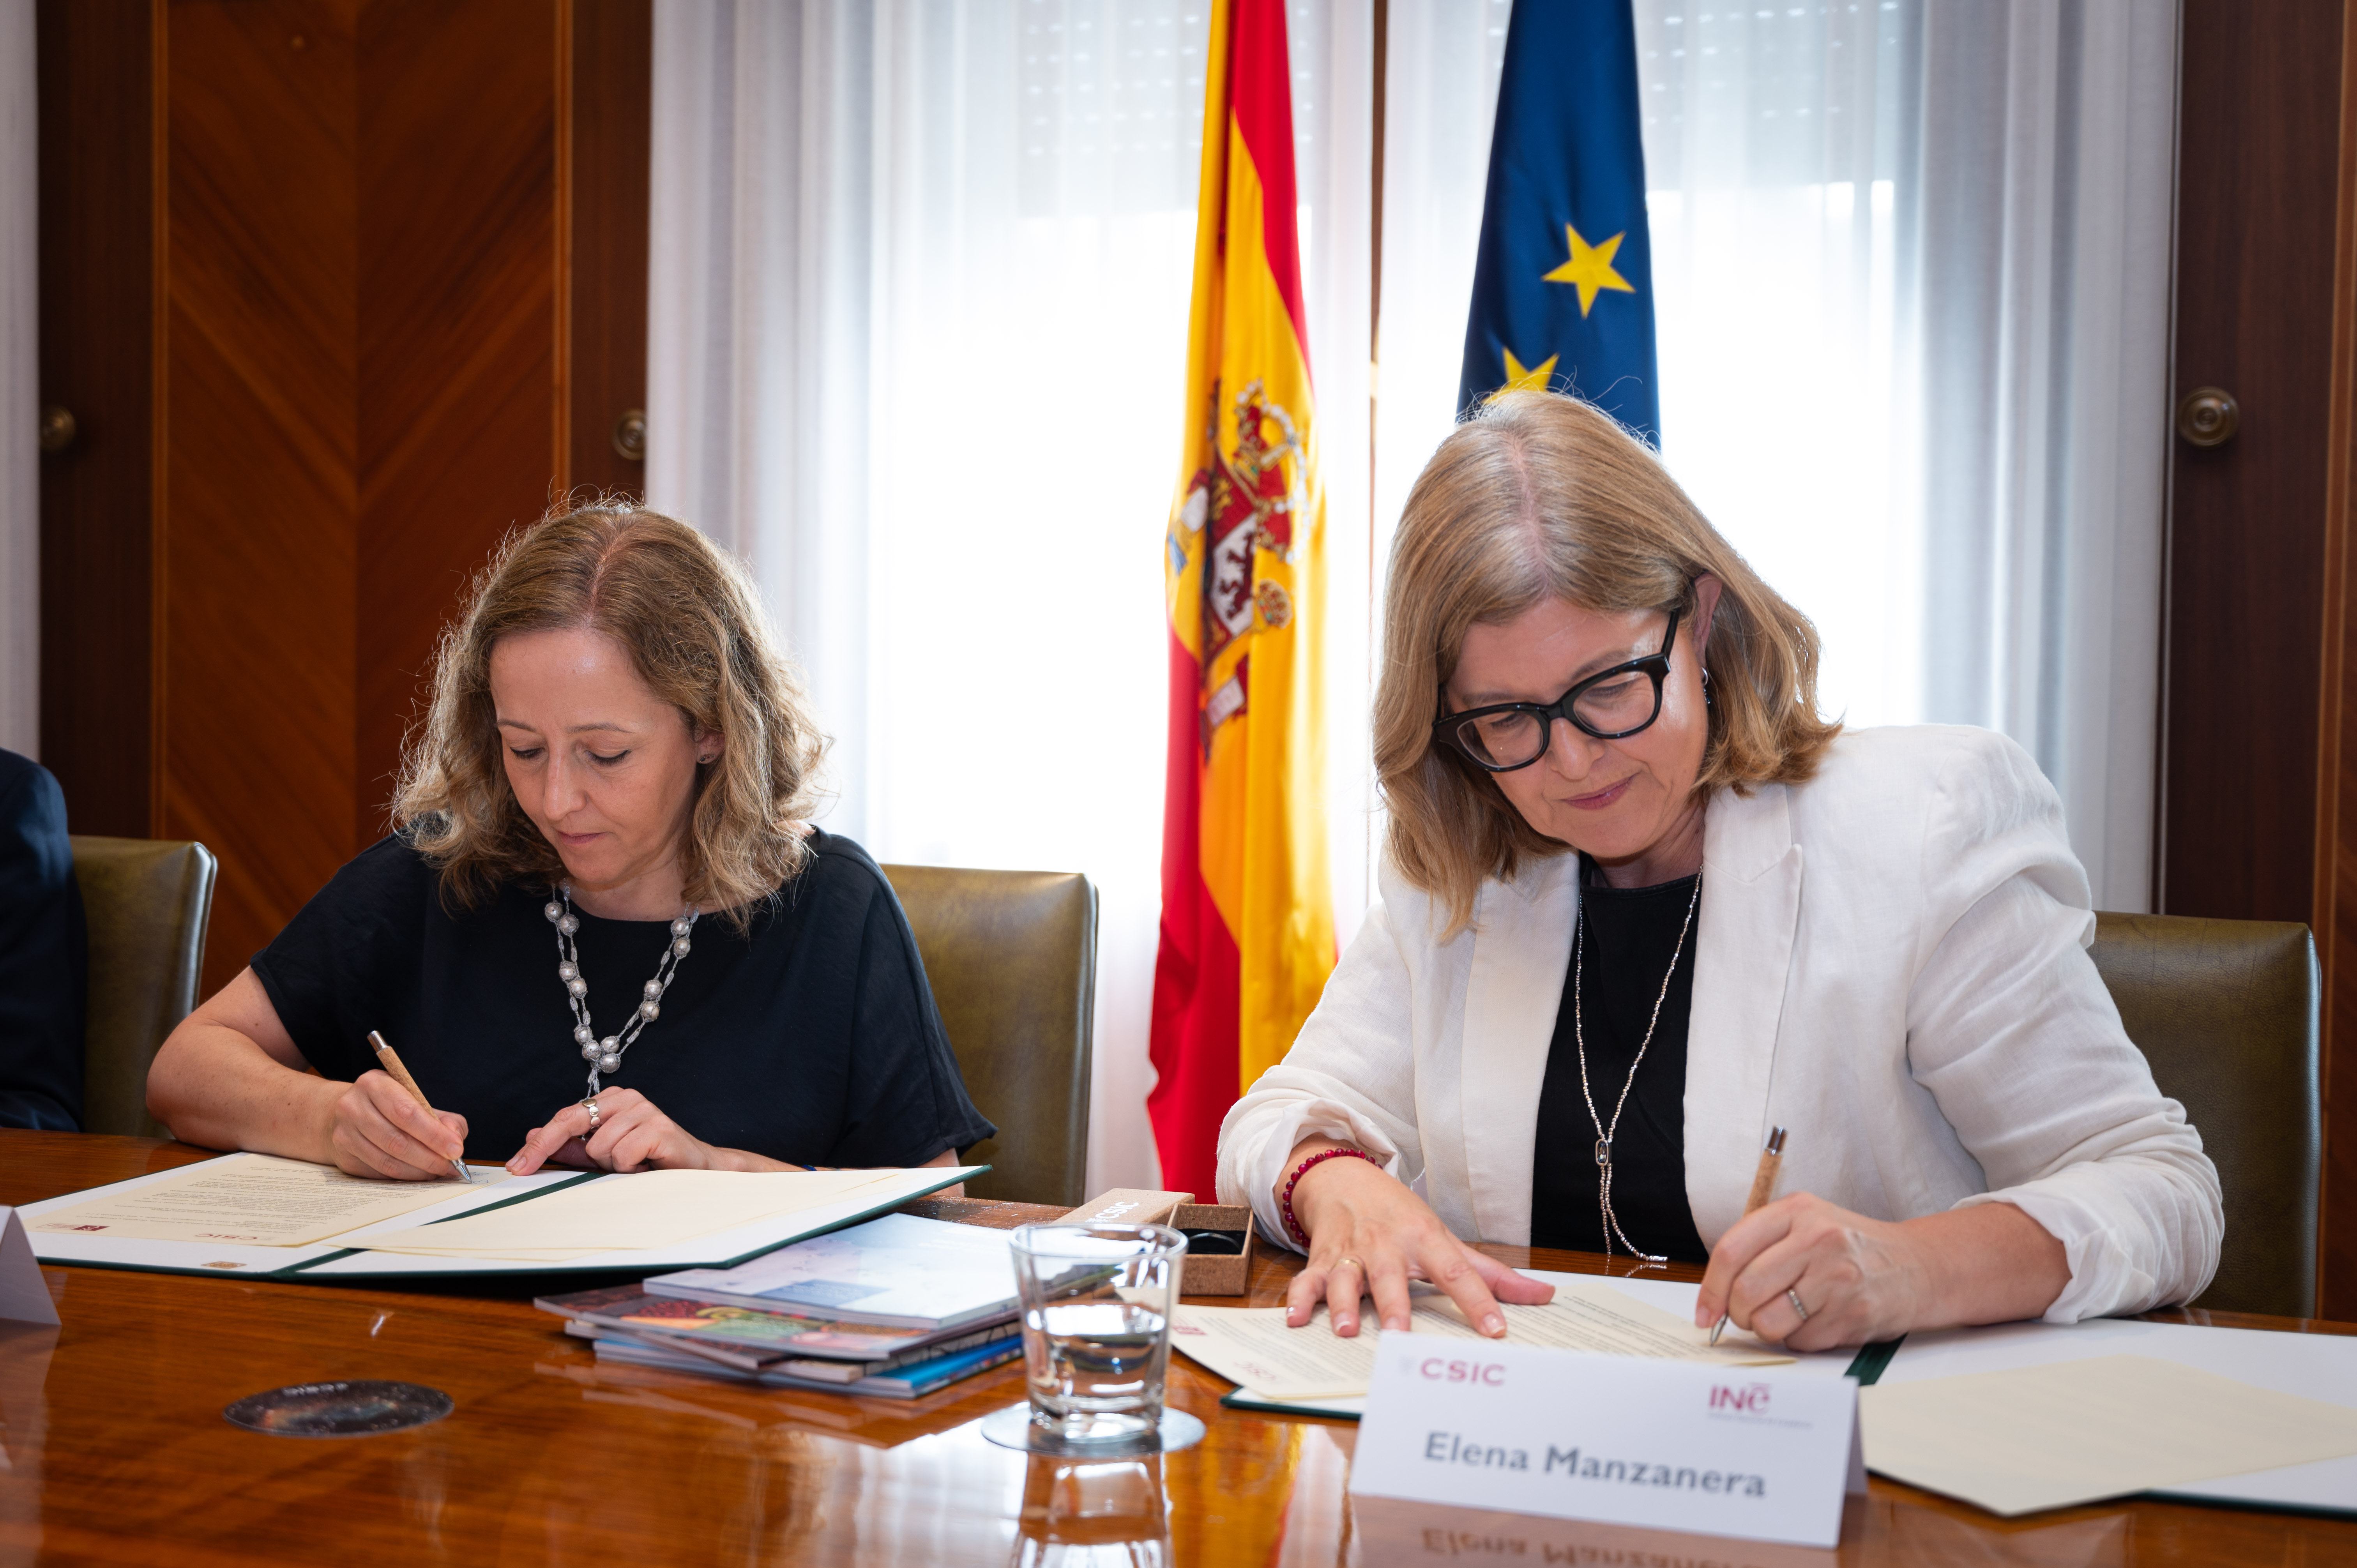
pixel 1011 959
pixel 146 902
pixel 2227 1012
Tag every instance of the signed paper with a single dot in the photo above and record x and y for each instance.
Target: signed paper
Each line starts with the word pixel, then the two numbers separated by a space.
pixel 648 1209
pixel 1252 1346
pixel 2075 1432
pixel 254 1201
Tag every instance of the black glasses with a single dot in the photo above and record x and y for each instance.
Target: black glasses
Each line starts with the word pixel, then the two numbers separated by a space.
pixel 1611 704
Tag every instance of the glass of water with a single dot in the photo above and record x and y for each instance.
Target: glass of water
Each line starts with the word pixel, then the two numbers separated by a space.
pixel 1096 1326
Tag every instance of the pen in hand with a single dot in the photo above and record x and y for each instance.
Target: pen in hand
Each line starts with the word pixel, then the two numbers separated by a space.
pixel 1763 1182
pixel 400 1075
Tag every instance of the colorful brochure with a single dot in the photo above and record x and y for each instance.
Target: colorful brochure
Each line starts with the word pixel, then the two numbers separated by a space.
pixel 900 1272
pixel 904 1382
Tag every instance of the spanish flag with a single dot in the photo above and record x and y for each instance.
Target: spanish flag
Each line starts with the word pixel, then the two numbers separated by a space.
pixel 1247 921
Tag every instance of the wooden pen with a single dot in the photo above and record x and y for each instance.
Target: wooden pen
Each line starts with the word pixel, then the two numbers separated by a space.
pixel 399 1074
pixel 1763 1184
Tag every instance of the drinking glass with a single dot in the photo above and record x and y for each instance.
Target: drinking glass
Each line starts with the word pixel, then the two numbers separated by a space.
pixel 1096 1326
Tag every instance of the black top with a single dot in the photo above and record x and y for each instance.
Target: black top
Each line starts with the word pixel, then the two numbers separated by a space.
pixel 1629 935
pixel 811 1038
pixel 43 958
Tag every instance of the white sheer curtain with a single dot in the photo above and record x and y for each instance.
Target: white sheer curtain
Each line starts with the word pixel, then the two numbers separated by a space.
pixel 20 457
pixel 1912 265
pixel 920 290
pixel 920 277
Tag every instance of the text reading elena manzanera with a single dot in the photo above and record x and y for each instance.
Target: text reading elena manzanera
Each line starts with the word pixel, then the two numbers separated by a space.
pixel 1451 1448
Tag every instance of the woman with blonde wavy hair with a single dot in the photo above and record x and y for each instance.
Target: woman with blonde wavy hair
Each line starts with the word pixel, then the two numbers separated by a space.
pixel 1642 905
pixel 603 867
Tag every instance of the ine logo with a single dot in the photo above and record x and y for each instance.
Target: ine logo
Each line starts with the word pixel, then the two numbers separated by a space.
pixel 1750 1401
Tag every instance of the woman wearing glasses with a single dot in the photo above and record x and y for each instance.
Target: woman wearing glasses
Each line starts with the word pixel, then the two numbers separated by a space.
pixel 1642 904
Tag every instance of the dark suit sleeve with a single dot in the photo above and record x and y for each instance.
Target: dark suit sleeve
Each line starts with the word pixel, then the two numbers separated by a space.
pixel 43 960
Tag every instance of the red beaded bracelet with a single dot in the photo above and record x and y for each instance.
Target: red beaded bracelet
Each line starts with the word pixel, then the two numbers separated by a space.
pixel 1284 1205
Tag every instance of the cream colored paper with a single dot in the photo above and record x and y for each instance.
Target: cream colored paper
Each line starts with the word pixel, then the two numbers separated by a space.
pixel 2075 1432
pixel 1252 1346
pixel 256 1200
pixel 631 1213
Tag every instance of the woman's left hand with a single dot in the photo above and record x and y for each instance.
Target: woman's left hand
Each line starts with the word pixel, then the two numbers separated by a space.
pixel 630 1135
pixel 1860 1280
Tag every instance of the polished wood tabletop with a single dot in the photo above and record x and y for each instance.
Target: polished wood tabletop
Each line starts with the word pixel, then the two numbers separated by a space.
pixel 117 1450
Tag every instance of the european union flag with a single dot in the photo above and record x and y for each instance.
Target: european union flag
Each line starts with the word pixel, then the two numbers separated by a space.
pixel 1563 295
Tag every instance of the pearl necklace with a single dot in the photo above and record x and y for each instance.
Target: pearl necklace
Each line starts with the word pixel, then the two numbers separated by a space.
pixel 605 1056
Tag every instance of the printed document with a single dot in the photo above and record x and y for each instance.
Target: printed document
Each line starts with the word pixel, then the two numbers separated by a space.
pixel 254 1200
pixel 1252 1346
pixel 643 1210
pixel 2075 1432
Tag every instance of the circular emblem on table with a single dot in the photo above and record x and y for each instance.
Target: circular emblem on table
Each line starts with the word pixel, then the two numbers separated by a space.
pixel 356 1408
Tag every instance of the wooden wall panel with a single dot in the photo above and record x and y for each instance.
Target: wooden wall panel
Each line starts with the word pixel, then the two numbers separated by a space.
pixel 612 93
pixel 97 288
pixel 256 432
pixel 460 382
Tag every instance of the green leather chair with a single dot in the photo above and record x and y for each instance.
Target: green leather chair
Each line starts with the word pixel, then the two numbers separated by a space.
pixel 2227 1012
pixel 146 902
pixel 1011 959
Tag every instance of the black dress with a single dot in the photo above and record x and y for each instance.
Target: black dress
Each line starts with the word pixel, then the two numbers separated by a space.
pixel 1629 934
pixel 810 1037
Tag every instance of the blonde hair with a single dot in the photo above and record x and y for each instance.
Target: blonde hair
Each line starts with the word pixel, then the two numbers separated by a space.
pixel 1539 495
pixel 689 616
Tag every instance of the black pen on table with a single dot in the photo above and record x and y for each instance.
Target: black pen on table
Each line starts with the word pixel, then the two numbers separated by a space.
pixel 1763 1182
pixel 399 1074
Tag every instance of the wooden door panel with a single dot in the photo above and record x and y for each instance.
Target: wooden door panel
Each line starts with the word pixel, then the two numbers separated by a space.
pixel 361 231
pixel 459 390
pixel 97 295
pixel 255 536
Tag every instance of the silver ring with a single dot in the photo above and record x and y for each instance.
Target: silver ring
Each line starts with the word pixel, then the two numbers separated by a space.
pixel 591 1107
pixel 1793 1296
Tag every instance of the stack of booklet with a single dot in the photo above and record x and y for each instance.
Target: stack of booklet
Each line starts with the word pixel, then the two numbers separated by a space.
pixel 899 1306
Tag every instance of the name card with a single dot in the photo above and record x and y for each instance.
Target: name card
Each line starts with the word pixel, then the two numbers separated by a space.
pixel 24 1295
pixel 1760 1453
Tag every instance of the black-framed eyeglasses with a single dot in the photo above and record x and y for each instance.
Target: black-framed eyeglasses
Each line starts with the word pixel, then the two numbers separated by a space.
pixel 1610 704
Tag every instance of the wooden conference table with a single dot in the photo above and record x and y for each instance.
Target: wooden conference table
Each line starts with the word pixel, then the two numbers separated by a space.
pixel 116 1451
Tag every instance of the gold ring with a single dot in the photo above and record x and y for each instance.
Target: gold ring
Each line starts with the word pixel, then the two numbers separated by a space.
pixel 1354 1264
pixel 591 1107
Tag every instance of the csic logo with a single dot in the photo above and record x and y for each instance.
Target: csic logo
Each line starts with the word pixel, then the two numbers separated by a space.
pixel 1751 1400
pixel 1488 1373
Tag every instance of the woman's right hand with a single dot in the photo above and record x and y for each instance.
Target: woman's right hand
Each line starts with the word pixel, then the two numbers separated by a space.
pixel 1370 1234
pixel 377 1129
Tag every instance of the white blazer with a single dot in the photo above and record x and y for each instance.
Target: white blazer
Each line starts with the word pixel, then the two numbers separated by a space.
pixel 1890 963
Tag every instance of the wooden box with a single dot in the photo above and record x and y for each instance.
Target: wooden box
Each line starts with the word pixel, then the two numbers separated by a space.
pixel 1215 1272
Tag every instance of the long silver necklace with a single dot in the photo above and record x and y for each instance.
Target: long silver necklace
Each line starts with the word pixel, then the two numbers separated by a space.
pixel 605 1056
pixel 1604 1134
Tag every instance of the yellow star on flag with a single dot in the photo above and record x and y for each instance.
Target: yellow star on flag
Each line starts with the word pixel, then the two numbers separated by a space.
pixel 1591 268
pixel 1537 378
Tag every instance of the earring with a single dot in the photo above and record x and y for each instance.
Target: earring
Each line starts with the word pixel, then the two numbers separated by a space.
pixel 1706 701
